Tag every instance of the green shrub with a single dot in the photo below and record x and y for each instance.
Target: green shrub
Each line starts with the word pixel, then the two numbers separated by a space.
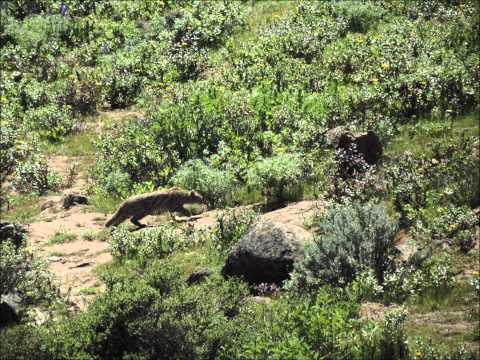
pixel 326 326
pixel 33 175
pixel 21 270
pixel 156 242
pixel 276 174
pixel 126 155
pixel 231 226
pixel 25 341
pixel 15 146
pixel 354 238
pixel 79 92
pixel 51 122
pixel 436 182
pixel 428 350
pixel 215 185
pixel 148 244
pixel 433 276
pixel 61 237
pixel 360 17
pixel 145 313
pixel 120 80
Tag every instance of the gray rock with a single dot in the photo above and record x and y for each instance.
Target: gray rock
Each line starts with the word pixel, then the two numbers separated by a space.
pixel 367 144
pixel 11 308
pixel 73 199
pixel 12 231
pixel 265 254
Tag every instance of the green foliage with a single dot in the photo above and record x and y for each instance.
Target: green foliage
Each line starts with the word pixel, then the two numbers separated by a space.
pixel 61 237
pixel 426 349
pixel 325 326
pixel 215 185
pixel 148 244
pixel 433 190
pixel 231 226
pixel 432 276
pixel 235 114
pixel 14 147
pixel 354 238
pixel 127 155
pixel 455 223
pixel 120 78
pixel 22 271
pixel 147 313
pixel 33 175
pixel 274 175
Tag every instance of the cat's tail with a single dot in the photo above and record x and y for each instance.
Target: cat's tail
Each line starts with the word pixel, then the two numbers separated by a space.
pixel 117 218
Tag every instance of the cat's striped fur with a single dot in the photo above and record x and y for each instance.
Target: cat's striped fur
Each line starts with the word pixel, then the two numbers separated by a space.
pixel 137 207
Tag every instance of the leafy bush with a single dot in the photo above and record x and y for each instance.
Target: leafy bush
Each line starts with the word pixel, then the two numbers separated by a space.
pixel 231 226
pixel 360 17
pixel 33 175
pixel 146 312
pixel 127 155
pixel 120 80
pixel 303 329
pixel 452 222
pixel 354 238
pixel 21 271
pixel 15 146
pixel 215 185
pixel 51 122
pixel 274 175
pixel 433 275
pixel 148 244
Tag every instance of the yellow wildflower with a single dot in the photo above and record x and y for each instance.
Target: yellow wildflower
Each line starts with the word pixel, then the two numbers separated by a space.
pixel 386 66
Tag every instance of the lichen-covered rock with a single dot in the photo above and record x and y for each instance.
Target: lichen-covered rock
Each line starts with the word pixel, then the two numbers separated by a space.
pixel 265 254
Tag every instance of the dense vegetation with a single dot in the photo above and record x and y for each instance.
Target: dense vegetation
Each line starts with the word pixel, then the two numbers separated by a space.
pixel 237 100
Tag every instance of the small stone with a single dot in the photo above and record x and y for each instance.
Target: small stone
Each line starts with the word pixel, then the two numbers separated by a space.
pixel 48 204
pixel 74 199
pixel 260 300
pixel 198 276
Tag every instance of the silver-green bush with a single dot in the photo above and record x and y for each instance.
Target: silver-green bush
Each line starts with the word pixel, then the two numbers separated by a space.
pixel 355 237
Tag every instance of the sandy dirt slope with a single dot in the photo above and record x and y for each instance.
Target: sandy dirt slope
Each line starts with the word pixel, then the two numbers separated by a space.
pixel 72 262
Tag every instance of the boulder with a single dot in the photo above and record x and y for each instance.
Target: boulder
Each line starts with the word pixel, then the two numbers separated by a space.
pixel 370 147
pixel 14 232
pixel 11 308
pixel 367 144
pixel 73 199
pixel 265 254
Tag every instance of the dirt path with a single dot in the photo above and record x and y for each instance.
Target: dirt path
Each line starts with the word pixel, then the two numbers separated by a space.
pixel 66 239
